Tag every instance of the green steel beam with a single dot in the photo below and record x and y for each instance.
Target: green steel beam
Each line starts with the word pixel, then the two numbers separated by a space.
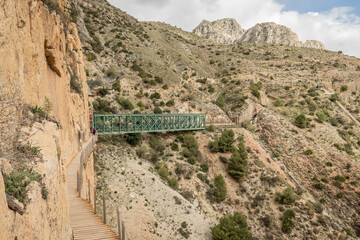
pixel 135 123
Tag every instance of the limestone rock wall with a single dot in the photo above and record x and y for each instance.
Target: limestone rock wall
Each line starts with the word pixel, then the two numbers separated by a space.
pixel 40 55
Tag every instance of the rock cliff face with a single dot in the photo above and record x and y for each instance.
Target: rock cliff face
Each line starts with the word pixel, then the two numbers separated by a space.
pixel 228 31
pixel 271 33
pixel 41 61
pixel 225 31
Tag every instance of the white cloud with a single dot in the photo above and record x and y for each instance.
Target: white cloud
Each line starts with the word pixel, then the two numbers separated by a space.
pixel 338 29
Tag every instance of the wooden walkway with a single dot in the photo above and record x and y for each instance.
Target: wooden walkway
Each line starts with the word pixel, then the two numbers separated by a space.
pixel 85 224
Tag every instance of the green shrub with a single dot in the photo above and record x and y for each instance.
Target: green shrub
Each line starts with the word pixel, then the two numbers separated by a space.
pixel 231 227
pixel 340 178
pixel 220 101
pixel 340 195
pixel 203 178
pixel 309 152
pixel 133 139
pixel 140 104
pixel 103 106
pixel 186 152
pixel 334 97
pixel 202 80
pixel 159 79
pixel 255 89
pixel 344 88
pixel 312 106
pixel 116 86
pixel 319 185
pixel 211 128
pixel 224 143
pixel 191 143
pixel 301 121
pixel 288 196
pixel 155 95
pixel 174 146
pixel 184 232
pixel 170 103
pixel 204 167
pixel 278 103
pixel 211 89
pixel 329 164
pixel 334 121
pixel 220 190
pixel 17 182
pixel 237 164
pixel 191 160
pixel 157 110
pixel 125 103
pixel 184 225
pixel 321 116
pixel 141 72
pixel 163 172
pixel 157 144
pixel 287 221
pixel 173 183
pixel 103 92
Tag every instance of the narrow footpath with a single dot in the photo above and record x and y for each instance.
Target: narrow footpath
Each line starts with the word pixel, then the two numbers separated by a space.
pixel 85 224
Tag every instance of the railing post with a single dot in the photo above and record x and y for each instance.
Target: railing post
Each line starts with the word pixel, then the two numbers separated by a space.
pixel 123 231
pixel 94 199
pixel 78 183
pixel 118 222
pixel 89 191
pixel 104 208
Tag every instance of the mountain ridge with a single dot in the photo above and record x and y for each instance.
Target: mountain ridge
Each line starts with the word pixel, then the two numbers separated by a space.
pixel 229 31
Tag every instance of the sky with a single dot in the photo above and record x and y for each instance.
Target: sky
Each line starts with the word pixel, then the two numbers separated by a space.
pixel 335 23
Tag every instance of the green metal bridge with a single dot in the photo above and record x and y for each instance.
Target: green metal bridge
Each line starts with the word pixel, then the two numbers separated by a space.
pixel 135 123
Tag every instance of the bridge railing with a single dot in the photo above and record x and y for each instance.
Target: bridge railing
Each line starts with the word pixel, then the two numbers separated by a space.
pixel 134 123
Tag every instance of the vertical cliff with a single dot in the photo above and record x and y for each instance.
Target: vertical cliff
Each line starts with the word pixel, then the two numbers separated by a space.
pixel 41 67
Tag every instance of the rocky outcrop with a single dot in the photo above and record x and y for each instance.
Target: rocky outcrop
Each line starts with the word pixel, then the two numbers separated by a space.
pixel 40 53
pixel 225 31
pixel 271 33
pixel 314 44
pixel 228 31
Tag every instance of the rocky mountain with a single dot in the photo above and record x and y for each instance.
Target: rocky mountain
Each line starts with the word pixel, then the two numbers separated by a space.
pixel 225 30
pixel 228 31
pixel 287 169
pixel 271 33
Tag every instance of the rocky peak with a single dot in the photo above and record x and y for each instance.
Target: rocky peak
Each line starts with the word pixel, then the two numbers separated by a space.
pixel 225 30
pixel 314 44
pixel 271 33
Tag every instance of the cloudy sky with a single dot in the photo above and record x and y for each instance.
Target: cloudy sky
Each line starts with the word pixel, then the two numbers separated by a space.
pixel 334 22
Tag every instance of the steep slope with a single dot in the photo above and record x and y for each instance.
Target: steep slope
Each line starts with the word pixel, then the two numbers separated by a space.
pixel 154 67
pixel 225 31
